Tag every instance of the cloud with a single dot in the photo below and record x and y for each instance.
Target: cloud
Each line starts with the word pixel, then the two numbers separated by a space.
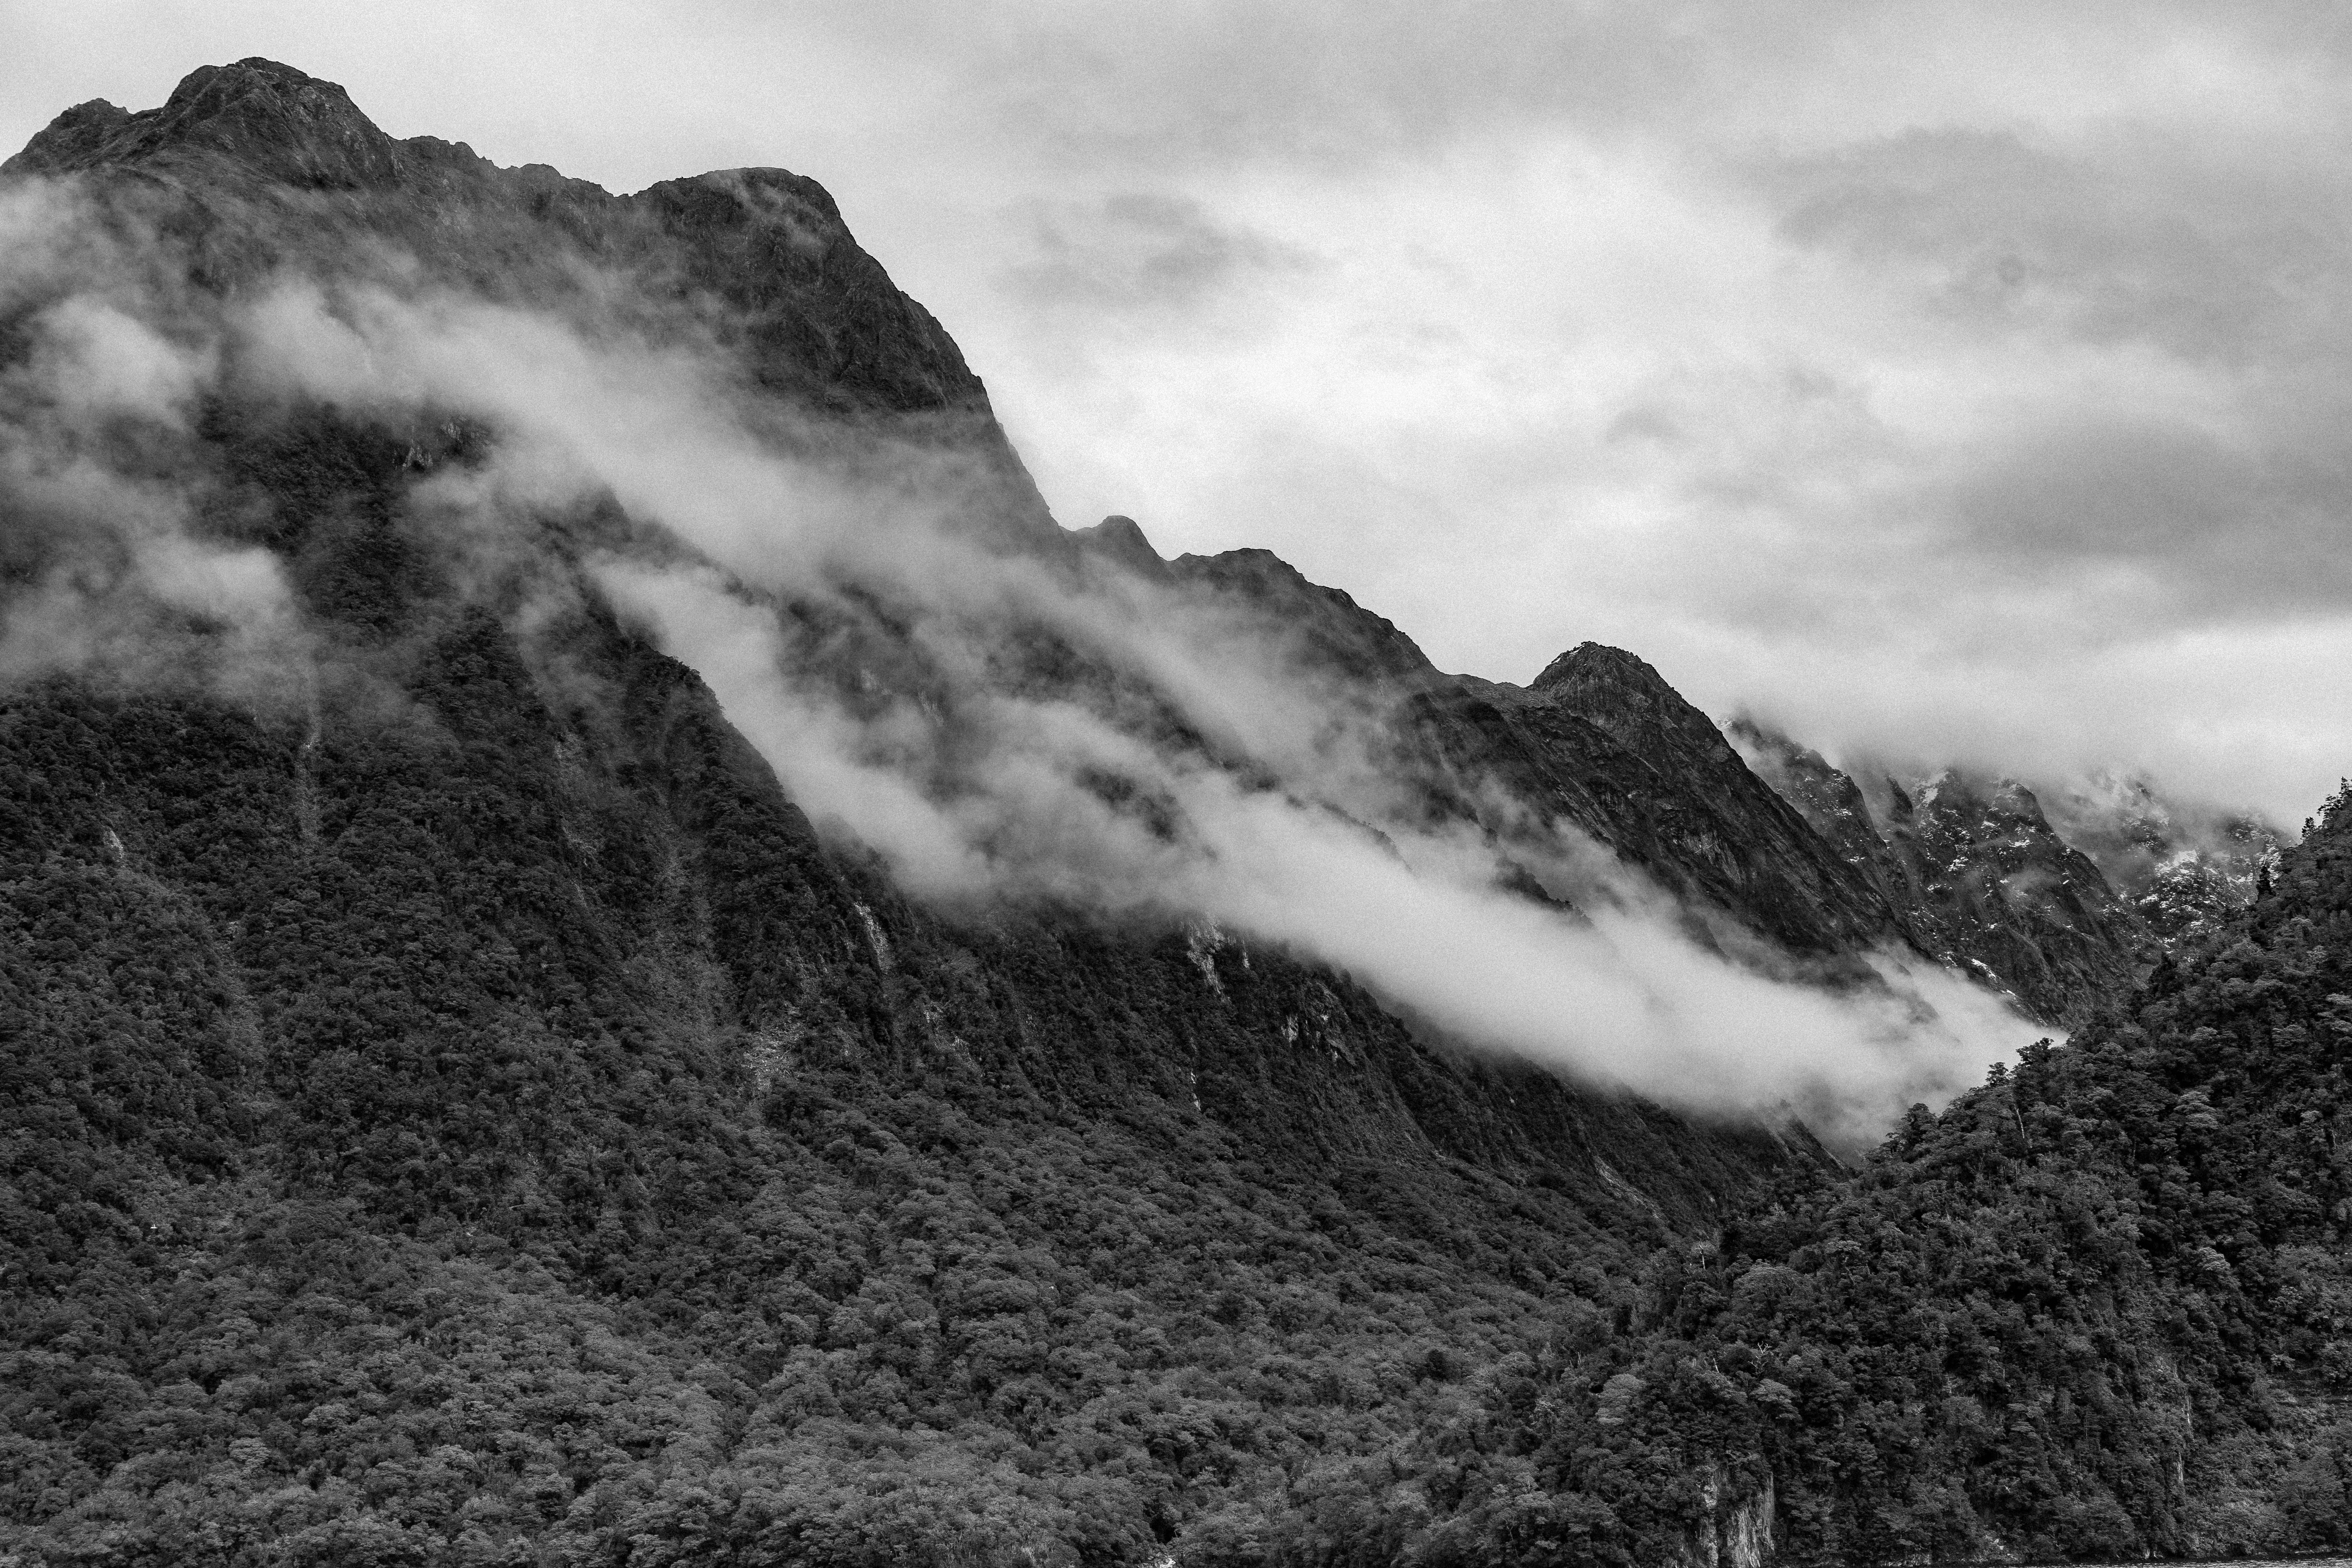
pixel 1618 996
pixel 1166 760
pixel 1141 250
pixel 99 478
pixel 95 362
pixel 1992 347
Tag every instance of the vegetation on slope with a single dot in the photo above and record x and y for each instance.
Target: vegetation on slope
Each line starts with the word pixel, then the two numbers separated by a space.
pixel 490 1127
pixel 2099 1308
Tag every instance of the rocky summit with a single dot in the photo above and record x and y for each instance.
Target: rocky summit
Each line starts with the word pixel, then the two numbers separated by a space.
pixel 613 948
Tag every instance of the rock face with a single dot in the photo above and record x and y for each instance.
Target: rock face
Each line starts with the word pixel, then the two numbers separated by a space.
pixel 1977 873
pixel 2182 870
pixel 1735 1530
pixel 1717 829
pixel 271 118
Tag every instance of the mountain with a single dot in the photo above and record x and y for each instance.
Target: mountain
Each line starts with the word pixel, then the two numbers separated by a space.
pixel 1678 798
pixel 256 166
pixel 1978 873
pixel 2094 1310
pixel 2182 868
pixel 461 1108
pixel 613 947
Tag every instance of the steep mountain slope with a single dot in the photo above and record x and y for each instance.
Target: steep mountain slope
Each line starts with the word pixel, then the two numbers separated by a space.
pixel 1601 744
pixel 458 1108
pixel 501 1126
pixel 2180 868
pixel 1752 835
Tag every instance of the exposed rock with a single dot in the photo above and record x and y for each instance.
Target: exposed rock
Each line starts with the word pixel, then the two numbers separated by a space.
pixel 1601 743
pixel 1736 1526
pixel 272 118
pixel 2182 869
pixel 1327 631
pixel 1976 871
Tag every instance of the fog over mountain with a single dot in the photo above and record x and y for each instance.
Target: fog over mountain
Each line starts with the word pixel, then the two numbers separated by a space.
pixel 1992 354
pixel 1274 803
pixel 615 946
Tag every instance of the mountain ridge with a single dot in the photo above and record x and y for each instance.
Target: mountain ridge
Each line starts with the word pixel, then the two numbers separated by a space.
pixel 464 1105
pixel 474 991
pixel 747 235
pixel 1981 874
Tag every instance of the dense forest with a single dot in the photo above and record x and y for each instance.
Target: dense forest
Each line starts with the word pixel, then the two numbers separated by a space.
pixel 497 1267
pixel 2097 1309
pixel 506 1135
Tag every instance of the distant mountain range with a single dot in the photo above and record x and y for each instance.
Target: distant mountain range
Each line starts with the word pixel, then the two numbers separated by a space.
pixel 612 947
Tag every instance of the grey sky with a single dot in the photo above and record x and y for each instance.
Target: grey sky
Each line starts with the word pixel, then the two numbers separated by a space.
pixel 1954 380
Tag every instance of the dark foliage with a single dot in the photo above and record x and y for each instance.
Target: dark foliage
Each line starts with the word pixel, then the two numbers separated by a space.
pixel 470 1116
pixel 2099 1308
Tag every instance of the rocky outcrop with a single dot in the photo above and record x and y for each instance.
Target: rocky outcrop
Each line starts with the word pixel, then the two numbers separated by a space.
pixel 2182 868
pixel 1607 748
pixel 1976 871
pixel 277 121
pixel 1324 632
pixel 1735 1525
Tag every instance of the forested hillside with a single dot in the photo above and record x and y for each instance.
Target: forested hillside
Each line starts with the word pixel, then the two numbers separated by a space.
pixel 507 1131
pixel 2097 1309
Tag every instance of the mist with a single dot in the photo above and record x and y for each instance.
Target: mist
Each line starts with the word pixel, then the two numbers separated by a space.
pixel 1208 779
pixel 1271 822
pixel 100 477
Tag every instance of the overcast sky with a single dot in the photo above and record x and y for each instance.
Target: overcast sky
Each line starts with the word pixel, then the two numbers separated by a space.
pixel 1964 380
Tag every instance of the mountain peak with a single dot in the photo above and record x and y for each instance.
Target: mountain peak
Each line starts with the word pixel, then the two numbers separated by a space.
pixel 215 82
pixel 1121 539
pixel 278 122
pixel 1625 696
pixel 1591 662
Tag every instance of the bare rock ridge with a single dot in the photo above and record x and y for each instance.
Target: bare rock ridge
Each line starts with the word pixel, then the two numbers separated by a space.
pixel 274 119
pixel 1759 849
pixel 1120 540
pixel 1334 635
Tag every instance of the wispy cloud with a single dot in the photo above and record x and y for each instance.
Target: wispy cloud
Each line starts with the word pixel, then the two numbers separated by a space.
pixel 1190 770
pixel 1997 349
pixel 99 482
